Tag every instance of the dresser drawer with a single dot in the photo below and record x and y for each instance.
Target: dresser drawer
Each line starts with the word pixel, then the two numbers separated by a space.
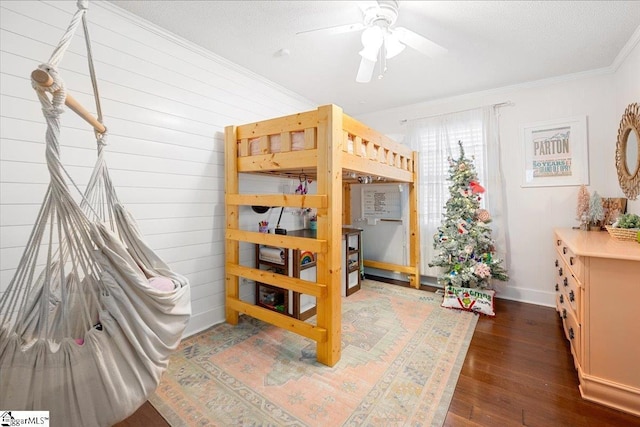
pixel 573 332
pixel 571 260
pixel 573 294
pixel 558 284
pixel 568 302
pixel 569 287
pixel 562 306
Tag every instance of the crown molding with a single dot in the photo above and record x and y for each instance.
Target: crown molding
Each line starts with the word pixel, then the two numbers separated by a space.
pixel 626 50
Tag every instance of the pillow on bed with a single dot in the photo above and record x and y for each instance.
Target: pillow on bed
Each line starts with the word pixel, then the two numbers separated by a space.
pixel 475 300
pixel 162 283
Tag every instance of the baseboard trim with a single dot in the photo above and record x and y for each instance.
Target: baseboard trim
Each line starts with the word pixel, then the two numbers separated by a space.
pixel 529 296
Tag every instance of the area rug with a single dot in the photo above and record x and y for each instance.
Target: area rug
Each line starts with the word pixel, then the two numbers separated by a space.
pixel 401 358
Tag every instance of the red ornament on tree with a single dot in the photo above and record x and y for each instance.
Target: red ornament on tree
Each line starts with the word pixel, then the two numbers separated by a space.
pixel 476 187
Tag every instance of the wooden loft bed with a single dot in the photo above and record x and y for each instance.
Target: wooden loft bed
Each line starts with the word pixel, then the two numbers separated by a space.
pixel 332 148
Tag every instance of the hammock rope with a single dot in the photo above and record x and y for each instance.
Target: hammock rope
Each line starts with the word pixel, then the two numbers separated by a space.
pixel 84 331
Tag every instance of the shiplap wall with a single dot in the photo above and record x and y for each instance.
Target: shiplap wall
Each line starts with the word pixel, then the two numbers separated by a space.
pixel 165 102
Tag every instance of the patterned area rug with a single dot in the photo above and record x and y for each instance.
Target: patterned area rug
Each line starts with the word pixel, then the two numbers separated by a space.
pixel 401 358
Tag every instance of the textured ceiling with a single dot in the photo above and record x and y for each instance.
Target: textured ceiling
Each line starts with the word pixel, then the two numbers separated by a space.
pixel 491 44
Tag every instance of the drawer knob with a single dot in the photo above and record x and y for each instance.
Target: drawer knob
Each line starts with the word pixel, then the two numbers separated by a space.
pixel 572 296
pixel 557 263
pixel 561 299
pixel 564 250
pixel 564 313
pixel 565 282
pixel 557 287
pixel 571 334
pixel 558 242
pixel 571 260
pixel 560 271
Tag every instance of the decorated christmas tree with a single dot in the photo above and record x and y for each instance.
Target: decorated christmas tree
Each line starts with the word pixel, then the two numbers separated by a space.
pixel 466 252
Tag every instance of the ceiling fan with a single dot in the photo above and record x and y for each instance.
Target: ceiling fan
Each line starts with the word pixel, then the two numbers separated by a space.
pixel 380 40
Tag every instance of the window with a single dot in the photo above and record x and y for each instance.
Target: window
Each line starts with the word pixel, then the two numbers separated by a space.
pixel 436 140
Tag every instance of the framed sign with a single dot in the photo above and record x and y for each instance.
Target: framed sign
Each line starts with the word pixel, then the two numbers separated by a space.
pixel 556 153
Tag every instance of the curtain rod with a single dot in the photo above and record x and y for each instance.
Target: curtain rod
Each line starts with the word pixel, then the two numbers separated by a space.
pixel 499 104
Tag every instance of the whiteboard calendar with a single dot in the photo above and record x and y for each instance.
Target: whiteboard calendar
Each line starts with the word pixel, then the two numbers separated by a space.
pixel 381 202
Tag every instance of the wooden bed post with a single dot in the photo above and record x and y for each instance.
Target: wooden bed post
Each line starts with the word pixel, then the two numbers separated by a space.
pixel 414 225
pixel 346 203
pixel 231 187
pixel 329 309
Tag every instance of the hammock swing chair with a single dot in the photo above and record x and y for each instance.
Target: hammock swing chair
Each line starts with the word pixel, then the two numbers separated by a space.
pixel 92 314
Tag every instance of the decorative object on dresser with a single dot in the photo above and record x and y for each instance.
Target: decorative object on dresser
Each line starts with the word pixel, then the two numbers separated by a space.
pixel 582 208
pixel 613 208
pixel 596 213
pixel 594 274
pixel 466 251
pixel 626 227
pixel 628 151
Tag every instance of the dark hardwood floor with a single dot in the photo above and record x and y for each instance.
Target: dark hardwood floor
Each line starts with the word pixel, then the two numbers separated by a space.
pixel 518 372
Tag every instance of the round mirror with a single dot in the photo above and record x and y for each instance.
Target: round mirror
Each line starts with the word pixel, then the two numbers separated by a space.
pixel 628 152
pixel 632 153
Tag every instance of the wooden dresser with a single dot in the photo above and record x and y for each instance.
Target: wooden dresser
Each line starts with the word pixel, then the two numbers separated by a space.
pixel 597 296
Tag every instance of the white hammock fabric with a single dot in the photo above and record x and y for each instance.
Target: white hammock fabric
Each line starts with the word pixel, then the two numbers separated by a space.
pixel 83 334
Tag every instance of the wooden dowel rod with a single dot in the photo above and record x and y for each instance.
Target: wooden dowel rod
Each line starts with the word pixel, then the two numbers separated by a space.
pixel 45 80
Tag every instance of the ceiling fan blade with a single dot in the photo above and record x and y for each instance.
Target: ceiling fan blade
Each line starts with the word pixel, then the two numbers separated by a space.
pixel 338 29
pixel 419 43
pixel 364 5
pixel 365 71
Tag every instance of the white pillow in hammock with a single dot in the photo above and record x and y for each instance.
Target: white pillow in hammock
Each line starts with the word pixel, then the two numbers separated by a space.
pixel 162 283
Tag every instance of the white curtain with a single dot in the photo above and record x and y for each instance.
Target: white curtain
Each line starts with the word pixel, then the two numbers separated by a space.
pixel 436 139
pixel 496 193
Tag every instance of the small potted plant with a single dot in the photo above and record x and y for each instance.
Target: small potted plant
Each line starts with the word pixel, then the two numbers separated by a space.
pixel 626 227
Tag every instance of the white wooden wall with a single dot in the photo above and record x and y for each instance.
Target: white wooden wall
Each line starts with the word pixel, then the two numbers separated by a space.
pixel 166 103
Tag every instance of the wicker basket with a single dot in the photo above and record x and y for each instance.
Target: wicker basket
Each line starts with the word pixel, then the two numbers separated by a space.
pixel 623 233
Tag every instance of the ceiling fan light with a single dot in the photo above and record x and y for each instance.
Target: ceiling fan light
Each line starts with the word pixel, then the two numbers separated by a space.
pixel 392 45
pixel 371 54
pixel 372 39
